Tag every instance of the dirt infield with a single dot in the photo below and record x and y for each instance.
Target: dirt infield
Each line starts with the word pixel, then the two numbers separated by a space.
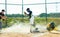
pixel 14 35
pixel 24 31
pixel 28 35
pixel 51 35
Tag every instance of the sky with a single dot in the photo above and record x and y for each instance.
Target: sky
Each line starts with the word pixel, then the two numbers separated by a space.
pixel 36 9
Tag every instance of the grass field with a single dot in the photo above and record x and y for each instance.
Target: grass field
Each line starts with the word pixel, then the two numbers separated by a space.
pixel 42 21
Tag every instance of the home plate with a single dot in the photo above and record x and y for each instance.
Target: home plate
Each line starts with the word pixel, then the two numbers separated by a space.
pixel 56 32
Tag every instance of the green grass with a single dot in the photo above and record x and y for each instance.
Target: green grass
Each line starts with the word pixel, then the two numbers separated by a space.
pixel 38 20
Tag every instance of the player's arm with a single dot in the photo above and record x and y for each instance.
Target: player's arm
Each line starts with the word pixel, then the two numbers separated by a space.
pixel 3 17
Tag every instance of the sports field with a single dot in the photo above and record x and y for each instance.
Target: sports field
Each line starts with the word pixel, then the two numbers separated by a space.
pixel 18 28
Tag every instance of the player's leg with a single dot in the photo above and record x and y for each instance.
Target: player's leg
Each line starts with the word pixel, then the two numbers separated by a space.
pixel 0 25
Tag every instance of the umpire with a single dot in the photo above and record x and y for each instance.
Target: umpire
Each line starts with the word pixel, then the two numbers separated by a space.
pixel 1 15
